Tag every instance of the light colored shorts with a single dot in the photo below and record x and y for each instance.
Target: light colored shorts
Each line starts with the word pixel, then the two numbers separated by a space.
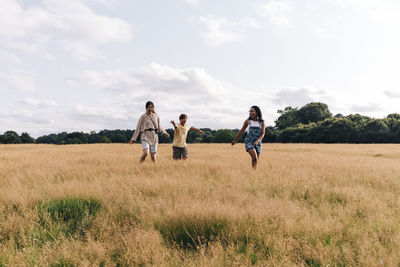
pixel 152 149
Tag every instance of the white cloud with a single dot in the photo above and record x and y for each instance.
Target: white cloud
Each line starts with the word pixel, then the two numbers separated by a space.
pixel 19 80
pixel 208 101
pixel 278 12
pixel 27 116
pixel 381 12
pixel 220 31
pixel 392 94
pixel 356 3
pixel 71 24
pixel 191 2
pixel 9 58
pixel 107 3
pixel 100 112
pixel 37 102
pixel 298 97
pixel 370 107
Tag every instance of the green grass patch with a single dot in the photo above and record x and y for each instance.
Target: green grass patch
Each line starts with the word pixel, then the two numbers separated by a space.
pixel 71 216
pixel 192 232
pixel 63 262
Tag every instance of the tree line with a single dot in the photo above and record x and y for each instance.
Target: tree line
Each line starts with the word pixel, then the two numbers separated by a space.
pixel 311 123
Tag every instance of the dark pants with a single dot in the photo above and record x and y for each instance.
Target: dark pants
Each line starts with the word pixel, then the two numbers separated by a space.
pixel 179 152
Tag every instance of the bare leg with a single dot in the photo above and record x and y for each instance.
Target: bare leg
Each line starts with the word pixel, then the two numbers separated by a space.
pixel 153 157
pixel 254 158
pixel 144 155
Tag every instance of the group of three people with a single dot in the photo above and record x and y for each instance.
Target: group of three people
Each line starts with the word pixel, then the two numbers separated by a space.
pixel 149 124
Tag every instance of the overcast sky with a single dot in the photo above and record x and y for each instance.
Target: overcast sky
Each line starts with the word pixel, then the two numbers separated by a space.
pixel 82 65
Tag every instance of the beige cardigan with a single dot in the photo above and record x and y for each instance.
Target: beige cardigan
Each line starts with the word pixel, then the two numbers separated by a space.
pixel 145 123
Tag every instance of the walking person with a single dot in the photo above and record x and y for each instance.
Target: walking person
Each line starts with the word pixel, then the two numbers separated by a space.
pixel 148 126
pixel 179 147
pixel 256 131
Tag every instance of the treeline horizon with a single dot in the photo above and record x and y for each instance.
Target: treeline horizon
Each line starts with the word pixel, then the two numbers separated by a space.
pixel 312 123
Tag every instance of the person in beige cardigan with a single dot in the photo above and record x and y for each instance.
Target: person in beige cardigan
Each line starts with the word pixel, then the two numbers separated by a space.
pixel 148 126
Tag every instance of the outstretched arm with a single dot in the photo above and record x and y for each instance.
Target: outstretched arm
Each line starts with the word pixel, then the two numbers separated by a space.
pixel 160 128
pixel 261 135
pixel 173 123
pixel 197 130
pixel 245 124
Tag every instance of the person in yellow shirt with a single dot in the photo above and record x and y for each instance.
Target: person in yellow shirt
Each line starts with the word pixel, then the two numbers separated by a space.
pixel 179 148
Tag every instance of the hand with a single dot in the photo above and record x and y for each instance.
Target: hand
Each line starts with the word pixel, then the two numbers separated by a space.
pixel 167 135
pixel 233 142
pixel 172 121
pixel 201 132
pixel 256 142
pixel 131 141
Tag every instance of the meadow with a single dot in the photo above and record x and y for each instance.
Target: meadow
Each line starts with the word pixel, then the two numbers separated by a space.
pixel 95 205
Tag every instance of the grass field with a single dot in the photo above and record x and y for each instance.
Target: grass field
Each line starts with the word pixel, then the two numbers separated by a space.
pixel 95 205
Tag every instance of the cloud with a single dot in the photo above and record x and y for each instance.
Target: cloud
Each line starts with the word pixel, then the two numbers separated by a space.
pixel 297 97
pixel 366 108
pixel 220 31
pixel 392 94
pixel 68 24
pixel 27 116
pixel 19 80
pixel 100 112
pixel 278 12
pixel 9 58
pixel 380 12
pixel 157 78
pixel 40 103
pixel 356 3
pixel 191 2
pixel 209 102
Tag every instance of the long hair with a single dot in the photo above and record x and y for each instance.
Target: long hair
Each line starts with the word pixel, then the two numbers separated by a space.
pixel 258 112
pixel 148 103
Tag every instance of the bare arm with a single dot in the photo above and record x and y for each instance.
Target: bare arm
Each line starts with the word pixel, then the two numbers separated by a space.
pixel 245 124
pixel 261 135
pixel 137 131
pixel 197 130
pixel 161 129
pixel 173 123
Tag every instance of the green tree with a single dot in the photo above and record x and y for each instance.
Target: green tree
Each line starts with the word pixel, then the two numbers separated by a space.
pixel 359 120
pixel 313 112
pixel 118 138
pixel 74 136
pixel 341 131
pixel 208 135
pixel 74 140
pixel 288 118
pixel 393 122
pixel 27 139
pixel 270 135
pixel 395 116
pixel 47 139
pixel 375 131
pixel 104 139
pixel 11 137
pixel 224 136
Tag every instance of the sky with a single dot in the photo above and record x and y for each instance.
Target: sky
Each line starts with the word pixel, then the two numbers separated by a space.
pixel 89 65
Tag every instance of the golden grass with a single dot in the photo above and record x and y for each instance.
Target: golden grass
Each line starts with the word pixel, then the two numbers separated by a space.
pixel 314 205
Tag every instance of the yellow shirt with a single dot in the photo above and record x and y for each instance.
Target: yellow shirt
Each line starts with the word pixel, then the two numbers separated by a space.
pixel 180 134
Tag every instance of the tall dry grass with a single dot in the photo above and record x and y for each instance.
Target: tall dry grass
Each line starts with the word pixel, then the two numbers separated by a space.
pixel 95 205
